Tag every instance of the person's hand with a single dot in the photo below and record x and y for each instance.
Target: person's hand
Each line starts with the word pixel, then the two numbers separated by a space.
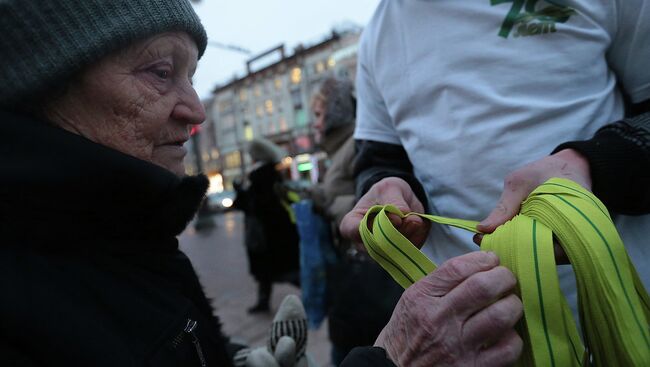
pixel 462 314
pixel 390 190
pixel 519 184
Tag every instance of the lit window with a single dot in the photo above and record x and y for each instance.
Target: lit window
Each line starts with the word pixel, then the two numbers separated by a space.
pixel 260 111
pixel 233 160
pixel 248 133
pixel 269 106
pixel 214 153
pixel 296 75
pixel 278 83
pixel 331 63
pixel 320 67
pixel 283 124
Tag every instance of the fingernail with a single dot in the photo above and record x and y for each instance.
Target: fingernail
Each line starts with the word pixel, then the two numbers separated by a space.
pixel 494 257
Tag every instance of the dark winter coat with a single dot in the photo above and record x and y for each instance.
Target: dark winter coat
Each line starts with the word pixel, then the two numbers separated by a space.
pixel 271 237
pixel 90 270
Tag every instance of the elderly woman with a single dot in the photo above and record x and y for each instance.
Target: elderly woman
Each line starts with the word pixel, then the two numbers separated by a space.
pixel 96 102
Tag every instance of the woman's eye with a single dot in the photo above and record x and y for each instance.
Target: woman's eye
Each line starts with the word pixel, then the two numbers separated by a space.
pixel 162 74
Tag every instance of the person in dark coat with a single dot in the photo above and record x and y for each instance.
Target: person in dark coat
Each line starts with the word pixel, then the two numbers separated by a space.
pixel 96 101
pixel 270 236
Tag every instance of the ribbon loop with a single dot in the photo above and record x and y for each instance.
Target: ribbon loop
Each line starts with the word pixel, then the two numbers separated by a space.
pixel 613 303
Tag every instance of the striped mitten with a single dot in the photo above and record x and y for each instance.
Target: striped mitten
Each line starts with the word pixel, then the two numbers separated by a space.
pixel 291 321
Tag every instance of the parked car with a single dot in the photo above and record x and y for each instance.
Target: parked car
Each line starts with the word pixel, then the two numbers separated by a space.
pixel 221 201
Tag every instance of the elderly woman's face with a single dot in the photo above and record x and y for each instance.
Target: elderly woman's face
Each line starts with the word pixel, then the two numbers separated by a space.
pixel 139 101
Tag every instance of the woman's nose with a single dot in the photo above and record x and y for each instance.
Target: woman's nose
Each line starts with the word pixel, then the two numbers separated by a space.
pixel 189 109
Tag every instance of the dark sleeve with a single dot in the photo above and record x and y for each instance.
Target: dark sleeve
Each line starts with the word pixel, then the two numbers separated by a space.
pixel 619 161
pixel 367 356
pixel 375 161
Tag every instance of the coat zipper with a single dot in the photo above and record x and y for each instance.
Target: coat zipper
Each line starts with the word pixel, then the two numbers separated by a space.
pixel 190 326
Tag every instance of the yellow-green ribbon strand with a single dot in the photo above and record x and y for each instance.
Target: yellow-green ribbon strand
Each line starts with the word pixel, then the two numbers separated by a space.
pixel 614 305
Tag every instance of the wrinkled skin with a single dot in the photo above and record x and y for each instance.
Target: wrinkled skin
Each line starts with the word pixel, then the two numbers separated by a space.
pixel 139 100
pixel 462 314
pixel 520 183
pixel 390 190
pixel 450 318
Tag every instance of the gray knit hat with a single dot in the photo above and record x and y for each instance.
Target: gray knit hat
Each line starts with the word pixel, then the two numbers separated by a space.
pixel 264 150
pixel 45 42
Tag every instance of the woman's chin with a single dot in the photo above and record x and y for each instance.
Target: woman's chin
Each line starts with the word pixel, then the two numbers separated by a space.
pixel 171 157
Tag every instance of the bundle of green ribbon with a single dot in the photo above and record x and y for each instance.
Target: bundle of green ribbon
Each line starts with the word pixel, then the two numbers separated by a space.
pixel 614 306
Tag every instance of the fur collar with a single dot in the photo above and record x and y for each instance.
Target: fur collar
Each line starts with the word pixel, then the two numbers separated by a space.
pixel 335 139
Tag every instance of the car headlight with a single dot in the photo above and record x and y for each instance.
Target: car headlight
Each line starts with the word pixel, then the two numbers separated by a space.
pixel 226 202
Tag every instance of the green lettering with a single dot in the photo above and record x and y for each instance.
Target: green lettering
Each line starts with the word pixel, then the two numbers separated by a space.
pixel 534 29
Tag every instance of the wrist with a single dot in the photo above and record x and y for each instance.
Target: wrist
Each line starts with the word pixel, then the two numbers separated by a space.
pixel 576 160
pixel 381 343
pixel 573 155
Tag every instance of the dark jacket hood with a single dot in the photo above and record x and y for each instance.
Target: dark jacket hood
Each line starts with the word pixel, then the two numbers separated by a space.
pixel 60 186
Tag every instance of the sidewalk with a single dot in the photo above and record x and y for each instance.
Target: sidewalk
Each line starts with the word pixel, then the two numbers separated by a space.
pixel 220 260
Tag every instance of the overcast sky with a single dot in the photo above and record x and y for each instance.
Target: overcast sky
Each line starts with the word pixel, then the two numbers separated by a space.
pixel 258 25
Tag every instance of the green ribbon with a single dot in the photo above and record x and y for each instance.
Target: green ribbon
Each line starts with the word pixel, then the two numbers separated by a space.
pixel 613 303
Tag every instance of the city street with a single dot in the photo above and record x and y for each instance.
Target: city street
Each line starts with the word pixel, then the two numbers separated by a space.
pixel 220 260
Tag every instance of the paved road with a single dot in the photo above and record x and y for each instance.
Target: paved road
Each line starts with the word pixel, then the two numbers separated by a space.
pixel 220 260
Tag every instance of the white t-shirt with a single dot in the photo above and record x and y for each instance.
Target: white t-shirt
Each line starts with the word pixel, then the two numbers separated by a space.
pixel 473 91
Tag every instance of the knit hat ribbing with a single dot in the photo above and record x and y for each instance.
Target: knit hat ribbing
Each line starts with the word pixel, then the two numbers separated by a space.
pixel 45 42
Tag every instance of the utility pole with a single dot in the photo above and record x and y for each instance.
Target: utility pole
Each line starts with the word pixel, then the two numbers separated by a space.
pixel 203 217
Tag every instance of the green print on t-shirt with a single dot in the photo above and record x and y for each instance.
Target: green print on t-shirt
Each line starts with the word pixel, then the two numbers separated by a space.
pixel 532 21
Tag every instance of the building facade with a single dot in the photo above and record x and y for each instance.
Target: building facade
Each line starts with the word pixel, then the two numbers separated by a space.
pixel 274 102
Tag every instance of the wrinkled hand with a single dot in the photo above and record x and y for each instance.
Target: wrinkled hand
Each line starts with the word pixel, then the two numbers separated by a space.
pixel 390 190
pixel 462 314
pixel 519 184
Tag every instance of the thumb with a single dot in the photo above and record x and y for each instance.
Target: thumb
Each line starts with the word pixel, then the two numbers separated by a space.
pixel 508 206
pixel 260 357
pixel 285 351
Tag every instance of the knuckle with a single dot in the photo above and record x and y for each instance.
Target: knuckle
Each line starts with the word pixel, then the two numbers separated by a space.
pixel 382 185
pixel 516 306
pixel 506 277
pixel 512 349
pixel 453 269
pixel 480 287
pixel 505 315
pixel 387 184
